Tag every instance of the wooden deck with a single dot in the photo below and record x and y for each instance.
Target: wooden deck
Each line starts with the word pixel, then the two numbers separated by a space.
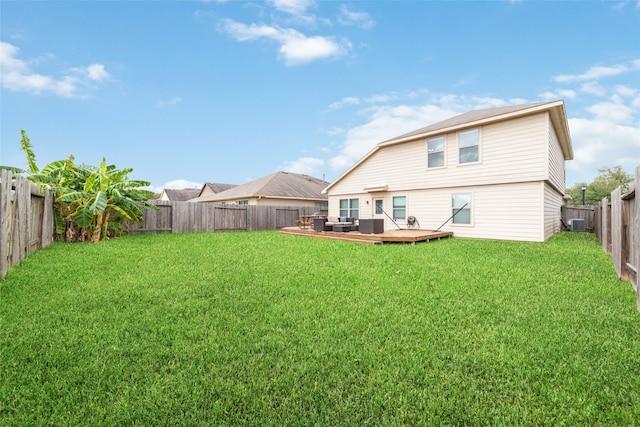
pixel 389 236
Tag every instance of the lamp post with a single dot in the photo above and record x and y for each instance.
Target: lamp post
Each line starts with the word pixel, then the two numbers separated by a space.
pixel 584 188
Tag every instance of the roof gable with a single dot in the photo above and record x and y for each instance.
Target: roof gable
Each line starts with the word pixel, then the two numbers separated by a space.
pixel 467 119
pixel 181 195
pixel 217 187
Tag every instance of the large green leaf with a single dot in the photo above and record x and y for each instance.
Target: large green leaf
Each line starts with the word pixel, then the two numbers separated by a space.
pixel 123 213
pixel 98 204
pixel 25 145
pixel 82 218
pixel 74 196
pixel 54 166
pixel 91 181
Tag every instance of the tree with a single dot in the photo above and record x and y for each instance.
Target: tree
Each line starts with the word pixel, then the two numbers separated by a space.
pixel 89 202
pixel 107 200
pixel 608 180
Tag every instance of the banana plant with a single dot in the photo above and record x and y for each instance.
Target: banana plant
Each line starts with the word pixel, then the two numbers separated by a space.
pixel 107 199
pixel 89 202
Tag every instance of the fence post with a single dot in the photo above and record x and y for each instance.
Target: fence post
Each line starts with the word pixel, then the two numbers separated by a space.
pixel 616 233
pixel 634 227
pixel 604 228
pixel 5 223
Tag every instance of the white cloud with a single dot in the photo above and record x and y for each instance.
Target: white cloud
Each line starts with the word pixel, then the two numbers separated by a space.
pixel 385 123
pixel 361 19
pixel 177 184
pixel 612 112
pixel 599 142
pixel 17 76
pixel 295 47
pixel 169 103
pixel 293 7
pixel 305 165
pixel 97 72
pixel 593 88
pixel 561 94
pixel 598 72
pixel 625 90
pixel 349 100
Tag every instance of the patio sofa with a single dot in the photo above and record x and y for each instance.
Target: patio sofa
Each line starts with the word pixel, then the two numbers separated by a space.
pixel 335 224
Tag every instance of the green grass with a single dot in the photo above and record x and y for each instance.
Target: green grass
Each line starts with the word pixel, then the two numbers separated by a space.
pixel 267 329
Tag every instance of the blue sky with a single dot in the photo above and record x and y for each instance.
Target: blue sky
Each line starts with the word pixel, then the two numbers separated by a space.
pixel 229 91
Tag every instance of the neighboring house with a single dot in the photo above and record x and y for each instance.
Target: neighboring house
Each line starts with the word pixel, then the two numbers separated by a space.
pixel 277 189
pixel 179 195
pixel 213 188
pixel 502 169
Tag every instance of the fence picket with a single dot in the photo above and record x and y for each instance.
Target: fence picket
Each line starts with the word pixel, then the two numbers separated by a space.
pixel 183 217
pixel 26 219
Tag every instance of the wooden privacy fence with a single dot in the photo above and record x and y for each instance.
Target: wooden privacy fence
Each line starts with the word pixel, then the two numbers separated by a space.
pixel 617 226
pixel 587 213
pixel 184 217
pixel 26 219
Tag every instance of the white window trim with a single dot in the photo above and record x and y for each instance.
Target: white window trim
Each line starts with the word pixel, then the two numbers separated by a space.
pixel 406 209
pixel 444 151
pixel 471 213
pixel 349 209
pixel 479 129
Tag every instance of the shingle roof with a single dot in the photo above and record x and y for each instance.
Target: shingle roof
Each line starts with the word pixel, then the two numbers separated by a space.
pixel 277 185
pixel 217 187
pixel 466 118
pixel 182 195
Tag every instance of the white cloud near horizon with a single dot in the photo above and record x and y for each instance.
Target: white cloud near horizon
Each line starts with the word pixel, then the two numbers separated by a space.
pixel 17 75
pixel 305 165
pixel 176 184
pixel 295 47
pixel 385 123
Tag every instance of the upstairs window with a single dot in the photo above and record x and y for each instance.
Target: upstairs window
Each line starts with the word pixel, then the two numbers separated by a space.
pixel 435 152
pixel 350 208
pixel 468 144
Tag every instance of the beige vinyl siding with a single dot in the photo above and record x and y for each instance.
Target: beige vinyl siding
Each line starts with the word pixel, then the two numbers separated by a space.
pixel 503 212
pixel 556 161
pixel 510 151
pixel 206 191
pixel 552 205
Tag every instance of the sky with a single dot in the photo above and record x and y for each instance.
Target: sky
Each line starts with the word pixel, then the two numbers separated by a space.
pixel 187 92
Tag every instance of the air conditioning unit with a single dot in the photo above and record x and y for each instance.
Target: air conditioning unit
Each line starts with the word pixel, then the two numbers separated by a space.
pixel 577 224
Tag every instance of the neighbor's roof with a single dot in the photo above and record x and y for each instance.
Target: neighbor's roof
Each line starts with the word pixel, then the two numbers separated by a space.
pixel 217 187
pixel 182 195
pixel 279 185
pixel 482 117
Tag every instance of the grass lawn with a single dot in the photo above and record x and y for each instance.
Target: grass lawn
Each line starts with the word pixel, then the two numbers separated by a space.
pixel 266 329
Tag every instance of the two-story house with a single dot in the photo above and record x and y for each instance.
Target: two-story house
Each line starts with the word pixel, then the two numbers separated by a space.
pixel 495 173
